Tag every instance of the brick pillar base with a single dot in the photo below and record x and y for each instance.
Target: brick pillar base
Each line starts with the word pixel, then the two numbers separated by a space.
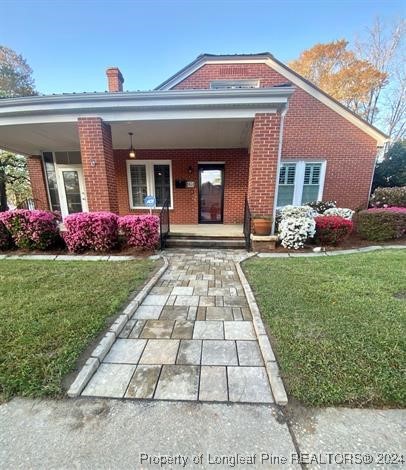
pixel 98 164
pixel 263 163
pixel 38 184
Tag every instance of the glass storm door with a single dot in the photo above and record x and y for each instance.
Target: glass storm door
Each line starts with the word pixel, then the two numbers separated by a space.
pixel 72 190
pixel 211 194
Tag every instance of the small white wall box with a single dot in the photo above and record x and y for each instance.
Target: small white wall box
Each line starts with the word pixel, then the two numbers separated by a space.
pixel 190 184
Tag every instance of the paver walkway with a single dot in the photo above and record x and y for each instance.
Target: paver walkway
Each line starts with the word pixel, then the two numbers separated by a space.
pixel 192 338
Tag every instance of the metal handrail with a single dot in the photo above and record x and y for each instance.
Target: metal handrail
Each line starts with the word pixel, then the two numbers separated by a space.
pixel 164 224
pixel 247 225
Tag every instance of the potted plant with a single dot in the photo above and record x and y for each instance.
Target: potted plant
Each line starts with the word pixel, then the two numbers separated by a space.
pixel 262 224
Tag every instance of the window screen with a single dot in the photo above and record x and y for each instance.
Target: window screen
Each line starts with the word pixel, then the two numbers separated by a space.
pixel 286 184
pixel 311 183
pixel 138 184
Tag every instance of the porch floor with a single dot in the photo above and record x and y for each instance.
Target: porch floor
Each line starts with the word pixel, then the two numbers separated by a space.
pixel 208 230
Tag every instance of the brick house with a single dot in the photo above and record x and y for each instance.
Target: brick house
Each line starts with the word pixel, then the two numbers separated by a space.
pixel 221 129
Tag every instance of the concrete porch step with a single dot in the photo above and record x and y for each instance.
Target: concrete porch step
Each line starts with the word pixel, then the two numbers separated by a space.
pixel 175 241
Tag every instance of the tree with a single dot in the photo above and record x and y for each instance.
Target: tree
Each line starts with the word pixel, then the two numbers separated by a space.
pixel 370 78
pixel 15 75
pixel 391 171
pixel 15 80
pixel 384 48
pixel 340 73
pixel 14 181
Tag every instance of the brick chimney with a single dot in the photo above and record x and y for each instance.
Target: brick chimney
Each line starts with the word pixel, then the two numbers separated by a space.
pixel 115 79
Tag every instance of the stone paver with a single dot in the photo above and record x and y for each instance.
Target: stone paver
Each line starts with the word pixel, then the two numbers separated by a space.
pixel 190 352
pixel 157 329
pixel 160 351
pixel 178 383
pixel 147 312
pixel 208 330
pixel 249 384
pixel 110 380
pixel 249 353
pixel 144 382
pixel 192 338
pixel 126 351
pixel 242 330
pixel 213 384
pixel 219 353
pixel 183 329
pixel 219 313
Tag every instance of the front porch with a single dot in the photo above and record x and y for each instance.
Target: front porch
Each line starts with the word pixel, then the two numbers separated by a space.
pixel 203 151
pixel 207 230
pixel 205 236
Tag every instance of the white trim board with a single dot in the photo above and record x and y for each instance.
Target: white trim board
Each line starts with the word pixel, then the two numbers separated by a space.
pixel 292 77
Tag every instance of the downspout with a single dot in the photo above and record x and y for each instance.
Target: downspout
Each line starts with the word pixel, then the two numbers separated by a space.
pixel 278 166
pixel 381 151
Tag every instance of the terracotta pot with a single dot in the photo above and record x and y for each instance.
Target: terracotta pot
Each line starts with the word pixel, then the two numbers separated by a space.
pixel 262 226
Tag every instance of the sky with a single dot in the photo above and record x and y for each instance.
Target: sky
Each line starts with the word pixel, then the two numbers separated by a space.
pixel 70 43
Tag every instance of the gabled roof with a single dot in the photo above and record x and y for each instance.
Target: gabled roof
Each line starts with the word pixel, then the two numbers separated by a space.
pixel 296 79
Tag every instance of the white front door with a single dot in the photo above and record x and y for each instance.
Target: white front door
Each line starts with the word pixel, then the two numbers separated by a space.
pixel 71 187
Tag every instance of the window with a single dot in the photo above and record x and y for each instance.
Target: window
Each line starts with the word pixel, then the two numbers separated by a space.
pixel 51 181
pixel 311 183
pixel 233 84
pixel 68 158
pixel 286 184
pixel 300 182
pixel 152 178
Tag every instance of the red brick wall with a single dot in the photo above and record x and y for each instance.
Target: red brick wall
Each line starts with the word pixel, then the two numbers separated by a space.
pixel 263 163
pixel 186 200
pixel 311 130
pixel 37 179
pixel 96 146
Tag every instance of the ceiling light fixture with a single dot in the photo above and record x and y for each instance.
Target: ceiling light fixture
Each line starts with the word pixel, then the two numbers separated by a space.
pixel 131 153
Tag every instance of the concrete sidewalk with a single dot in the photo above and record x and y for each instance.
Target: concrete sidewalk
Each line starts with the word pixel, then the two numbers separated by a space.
pixel 112 434
pixel 121 434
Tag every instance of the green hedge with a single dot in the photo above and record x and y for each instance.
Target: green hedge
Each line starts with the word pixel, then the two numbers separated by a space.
pixel 382 224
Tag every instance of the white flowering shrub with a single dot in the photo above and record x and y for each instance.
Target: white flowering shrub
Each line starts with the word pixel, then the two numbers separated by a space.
pixel 294 231
pixel 341 212
pixel 297 211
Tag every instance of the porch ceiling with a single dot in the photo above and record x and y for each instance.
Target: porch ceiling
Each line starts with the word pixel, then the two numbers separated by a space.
pixel 32 139
pixel 159 119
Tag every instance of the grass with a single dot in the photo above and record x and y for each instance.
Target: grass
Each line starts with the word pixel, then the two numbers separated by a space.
pixel 50 311
pixel 338 331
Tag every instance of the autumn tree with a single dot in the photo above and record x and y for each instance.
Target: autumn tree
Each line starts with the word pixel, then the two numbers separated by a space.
pixel 15 80
pixel 340 73
pixel 369 78
pixel 384 46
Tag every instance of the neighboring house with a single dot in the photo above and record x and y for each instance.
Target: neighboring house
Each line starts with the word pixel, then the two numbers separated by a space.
pixel 221 129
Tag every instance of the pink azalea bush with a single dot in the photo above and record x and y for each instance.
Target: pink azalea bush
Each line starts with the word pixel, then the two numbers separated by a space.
pixel 31 229
pixel 6 240
pixel 140 231
pixel 96 231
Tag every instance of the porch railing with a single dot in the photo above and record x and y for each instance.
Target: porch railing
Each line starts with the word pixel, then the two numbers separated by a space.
pixel 247 225
pixel 164 224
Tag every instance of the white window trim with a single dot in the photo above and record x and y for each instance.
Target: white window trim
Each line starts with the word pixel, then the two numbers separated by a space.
pixel 299 179
pixel 149 168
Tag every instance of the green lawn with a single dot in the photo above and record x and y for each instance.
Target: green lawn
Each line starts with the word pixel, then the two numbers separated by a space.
pixel 337 329
pixel 50 311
